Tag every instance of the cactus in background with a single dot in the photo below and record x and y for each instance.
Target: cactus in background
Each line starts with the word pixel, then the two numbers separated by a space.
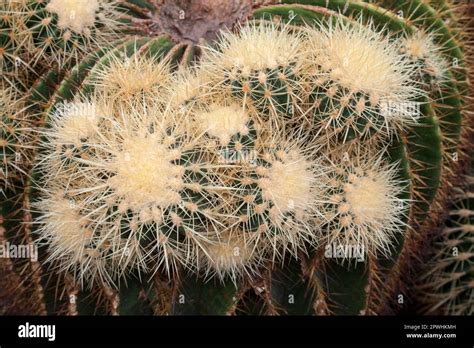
pixel 37 32
pixel 13 144
pixel 14 44
pixel 296 168
pixel 447 286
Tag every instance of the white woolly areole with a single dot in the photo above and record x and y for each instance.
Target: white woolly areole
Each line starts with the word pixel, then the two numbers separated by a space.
pixel 76 15
pixel 369 199
pixel 361 59
pixel 223 122
pixel 256 47
pixel 421 46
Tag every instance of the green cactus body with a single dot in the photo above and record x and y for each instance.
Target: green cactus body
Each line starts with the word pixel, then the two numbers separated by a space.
pixel 62 30
pixel 329 103
pixel 269 92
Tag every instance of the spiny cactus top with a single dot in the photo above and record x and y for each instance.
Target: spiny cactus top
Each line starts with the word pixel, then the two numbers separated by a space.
pixel 138 79
pixel 13 140
pixel 359 81
pixel 365 206
pixel 262 63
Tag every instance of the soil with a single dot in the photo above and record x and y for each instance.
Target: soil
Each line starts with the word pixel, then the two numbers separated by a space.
pixel 194 20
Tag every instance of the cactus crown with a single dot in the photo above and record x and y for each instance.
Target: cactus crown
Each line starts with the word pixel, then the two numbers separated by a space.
pixel 284 139
pixel 77 16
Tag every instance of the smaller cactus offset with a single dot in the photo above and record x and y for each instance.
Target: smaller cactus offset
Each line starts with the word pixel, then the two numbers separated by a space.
pixel 261 65
pixel 357 76
pixel 365 206
pixel 431 66
pixel 127 81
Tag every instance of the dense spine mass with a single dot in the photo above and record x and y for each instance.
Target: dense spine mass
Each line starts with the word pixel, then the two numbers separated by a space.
pixel 360 85
pixel 13 140
pixel 38 33
pixel 165 185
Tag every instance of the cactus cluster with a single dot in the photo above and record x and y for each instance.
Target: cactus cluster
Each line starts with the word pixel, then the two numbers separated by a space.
pixel 157 186
pixel 304 153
